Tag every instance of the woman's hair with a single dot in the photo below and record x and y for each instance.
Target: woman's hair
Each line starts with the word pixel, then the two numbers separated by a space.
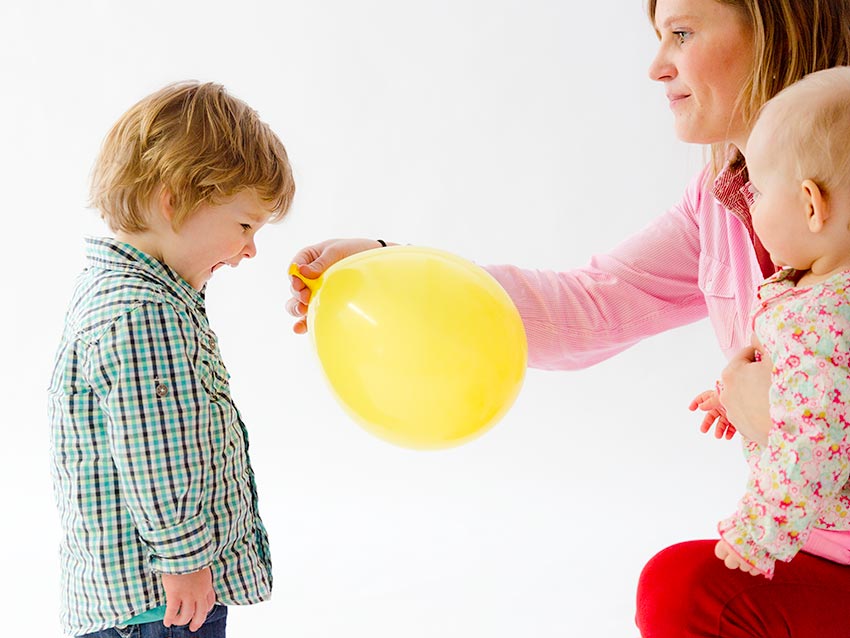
pixel 791 38
pixel 197 141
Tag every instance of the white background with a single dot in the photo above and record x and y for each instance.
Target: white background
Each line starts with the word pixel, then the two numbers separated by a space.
pixel 507 131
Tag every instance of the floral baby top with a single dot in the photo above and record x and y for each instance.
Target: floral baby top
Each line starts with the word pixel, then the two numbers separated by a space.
pixel 799 481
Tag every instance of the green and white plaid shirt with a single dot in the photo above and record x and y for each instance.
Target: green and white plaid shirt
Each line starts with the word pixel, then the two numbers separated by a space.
pixel 150 456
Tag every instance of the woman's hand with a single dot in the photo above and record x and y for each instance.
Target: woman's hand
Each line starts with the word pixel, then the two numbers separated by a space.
pixel 745 393
pixel 313 261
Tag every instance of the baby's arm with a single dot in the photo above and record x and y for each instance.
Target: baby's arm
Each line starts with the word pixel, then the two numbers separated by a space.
pixel 188 598
pixel 805 462
pixel 709 403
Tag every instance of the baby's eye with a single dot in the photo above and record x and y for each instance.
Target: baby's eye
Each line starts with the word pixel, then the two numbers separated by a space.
pixel 246 226
pixel 682 36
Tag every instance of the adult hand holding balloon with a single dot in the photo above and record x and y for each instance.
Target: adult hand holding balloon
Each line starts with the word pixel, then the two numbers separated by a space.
pixel 422 348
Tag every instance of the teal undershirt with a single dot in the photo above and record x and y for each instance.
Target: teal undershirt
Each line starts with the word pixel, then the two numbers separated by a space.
pixel 151 615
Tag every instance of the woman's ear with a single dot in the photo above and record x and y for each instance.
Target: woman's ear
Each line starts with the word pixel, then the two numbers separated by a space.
pixel 817 210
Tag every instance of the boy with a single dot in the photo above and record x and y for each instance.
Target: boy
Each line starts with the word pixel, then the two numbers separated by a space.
pixel 151 473
pixel 798 494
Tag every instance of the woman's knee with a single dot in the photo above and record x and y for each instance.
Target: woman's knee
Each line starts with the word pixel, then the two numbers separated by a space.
pixel 676 596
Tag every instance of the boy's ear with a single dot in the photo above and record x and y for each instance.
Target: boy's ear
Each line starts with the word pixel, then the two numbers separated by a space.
pixel 817 211
pixel 166 204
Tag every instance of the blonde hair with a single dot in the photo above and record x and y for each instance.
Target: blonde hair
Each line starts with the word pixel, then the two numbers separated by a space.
pixel 197 141
pixel 810 122
pixel 791 38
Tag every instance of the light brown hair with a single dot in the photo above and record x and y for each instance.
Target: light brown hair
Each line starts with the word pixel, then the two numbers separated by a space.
pixel 197 141
pixel 810 123
pixel 791 38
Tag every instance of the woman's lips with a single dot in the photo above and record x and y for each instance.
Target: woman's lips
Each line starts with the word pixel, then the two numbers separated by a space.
pixel 676 99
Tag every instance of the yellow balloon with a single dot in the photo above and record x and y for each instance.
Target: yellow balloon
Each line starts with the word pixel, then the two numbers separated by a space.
pixel 422 348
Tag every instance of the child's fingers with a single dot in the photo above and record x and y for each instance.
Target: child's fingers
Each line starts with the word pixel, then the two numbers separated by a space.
pixel 698 400
pixel 172 609
pixel 720 429
pixel 187 614
pixel 730 431
pixel 199 617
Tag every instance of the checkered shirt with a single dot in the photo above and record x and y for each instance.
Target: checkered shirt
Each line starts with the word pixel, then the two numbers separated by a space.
pixel 149 454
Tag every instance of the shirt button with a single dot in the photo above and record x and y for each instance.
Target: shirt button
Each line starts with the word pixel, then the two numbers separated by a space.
pixel 161 389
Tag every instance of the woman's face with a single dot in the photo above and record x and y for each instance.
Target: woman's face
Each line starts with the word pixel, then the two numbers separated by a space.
pixel 704 59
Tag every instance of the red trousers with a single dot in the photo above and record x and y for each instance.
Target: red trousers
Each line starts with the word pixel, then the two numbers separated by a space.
pixel 686 592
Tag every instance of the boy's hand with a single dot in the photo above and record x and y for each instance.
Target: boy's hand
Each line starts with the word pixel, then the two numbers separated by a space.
pixel 188 598
pixel 313 261
pixel 730 558
pixel 709 403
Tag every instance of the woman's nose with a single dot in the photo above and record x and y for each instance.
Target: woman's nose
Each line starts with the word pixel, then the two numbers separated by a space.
pixel 661 68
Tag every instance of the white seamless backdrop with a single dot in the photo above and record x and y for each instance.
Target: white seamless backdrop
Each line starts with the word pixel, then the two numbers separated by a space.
pixel 518 131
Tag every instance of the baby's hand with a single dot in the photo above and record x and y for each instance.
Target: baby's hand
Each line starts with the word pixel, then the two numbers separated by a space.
pixel 730 558
pixel 715 415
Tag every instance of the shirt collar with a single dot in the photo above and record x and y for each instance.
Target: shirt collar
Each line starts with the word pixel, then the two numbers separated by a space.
pixel 728 188
pixel 105 252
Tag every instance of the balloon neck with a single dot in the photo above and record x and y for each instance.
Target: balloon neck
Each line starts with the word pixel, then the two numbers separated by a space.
pixel 312 284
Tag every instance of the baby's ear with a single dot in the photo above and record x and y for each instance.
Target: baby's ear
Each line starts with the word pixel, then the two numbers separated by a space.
pixel 817 211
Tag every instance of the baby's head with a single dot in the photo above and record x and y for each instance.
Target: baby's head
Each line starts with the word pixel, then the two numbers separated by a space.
pixel 196 142
pixel 798 157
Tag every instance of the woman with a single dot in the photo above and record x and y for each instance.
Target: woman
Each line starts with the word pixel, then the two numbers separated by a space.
pixel 719 61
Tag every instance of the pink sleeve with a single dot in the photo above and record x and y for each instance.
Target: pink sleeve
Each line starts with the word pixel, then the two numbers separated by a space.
pixel 830 544
pixel 646 285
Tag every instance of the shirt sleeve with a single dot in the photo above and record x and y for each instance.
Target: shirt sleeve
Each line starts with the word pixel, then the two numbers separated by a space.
pixel 646 285
pixel 158 421
pixel 806 460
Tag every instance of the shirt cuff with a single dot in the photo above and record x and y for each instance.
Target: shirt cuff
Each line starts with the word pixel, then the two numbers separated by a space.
pixel 180 549
pixel 736 535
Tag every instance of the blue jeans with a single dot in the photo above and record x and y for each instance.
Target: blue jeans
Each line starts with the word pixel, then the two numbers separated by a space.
pixel 213 627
